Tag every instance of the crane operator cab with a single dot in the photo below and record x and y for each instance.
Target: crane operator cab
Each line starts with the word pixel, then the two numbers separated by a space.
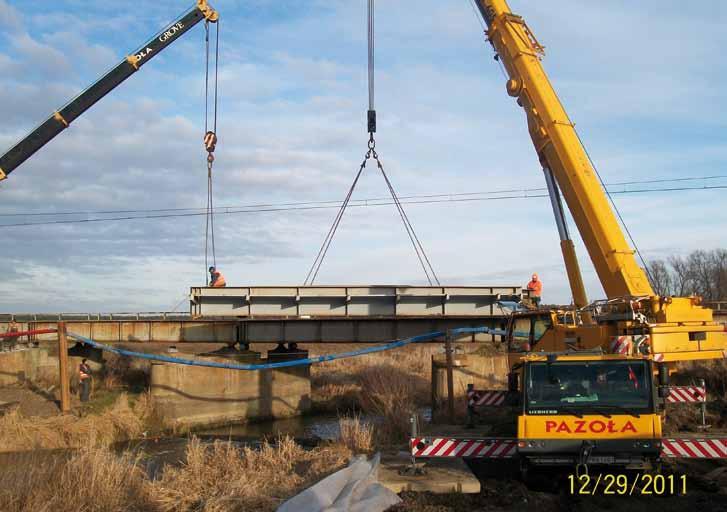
pixel 582 410
pixel 549 331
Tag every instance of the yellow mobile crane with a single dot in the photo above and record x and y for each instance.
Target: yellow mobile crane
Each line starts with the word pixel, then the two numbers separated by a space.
pixel 589 386
pixel 634 318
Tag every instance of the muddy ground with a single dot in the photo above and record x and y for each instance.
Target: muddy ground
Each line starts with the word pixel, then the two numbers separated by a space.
pixel 31 402
pixel 706 491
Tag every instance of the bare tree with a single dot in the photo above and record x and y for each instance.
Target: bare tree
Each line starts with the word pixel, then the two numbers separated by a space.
pixel 718 262
pixel 661 279
pixel 681 276
pixel 702 273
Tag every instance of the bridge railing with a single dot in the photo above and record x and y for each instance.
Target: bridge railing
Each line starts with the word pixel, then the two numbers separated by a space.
pixel 717 305
pixel 124 316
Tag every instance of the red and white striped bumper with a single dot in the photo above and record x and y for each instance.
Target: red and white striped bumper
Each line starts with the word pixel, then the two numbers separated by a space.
pixel 499 448
pixel 694 448
pixel 475 448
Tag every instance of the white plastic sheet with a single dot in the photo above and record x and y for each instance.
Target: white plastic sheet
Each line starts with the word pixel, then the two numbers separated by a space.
pixel 352 489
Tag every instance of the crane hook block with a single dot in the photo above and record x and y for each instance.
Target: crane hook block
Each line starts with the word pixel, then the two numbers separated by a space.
pixel 209 13
pixel 210 141
pixel 372 121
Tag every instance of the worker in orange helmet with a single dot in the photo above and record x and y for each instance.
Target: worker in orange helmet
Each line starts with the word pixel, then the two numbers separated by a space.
pixel 217 280
pixel 535 287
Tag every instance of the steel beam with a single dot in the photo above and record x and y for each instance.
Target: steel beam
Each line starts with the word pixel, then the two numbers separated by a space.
pixel 310 302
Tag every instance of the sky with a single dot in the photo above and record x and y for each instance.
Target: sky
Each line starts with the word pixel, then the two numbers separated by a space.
pixel 643 81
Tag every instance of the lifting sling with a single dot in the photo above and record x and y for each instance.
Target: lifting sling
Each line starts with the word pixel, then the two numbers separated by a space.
pixel 371 153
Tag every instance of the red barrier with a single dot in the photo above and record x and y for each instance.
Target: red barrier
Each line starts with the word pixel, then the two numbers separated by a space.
pixel 27 333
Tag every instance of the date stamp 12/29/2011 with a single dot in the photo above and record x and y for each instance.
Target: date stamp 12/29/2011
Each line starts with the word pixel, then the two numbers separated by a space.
pixel 627 485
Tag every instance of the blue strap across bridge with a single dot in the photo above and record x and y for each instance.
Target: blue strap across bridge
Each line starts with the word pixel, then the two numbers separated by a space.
pixel 286 364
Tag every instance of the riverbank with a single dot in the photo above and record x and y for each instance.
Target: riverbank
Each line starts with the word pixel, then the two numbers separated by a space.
pixel 218 476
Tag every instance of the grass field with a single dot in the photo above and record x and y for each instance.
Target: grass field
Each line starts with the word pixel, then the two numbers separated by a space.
pixel 64 463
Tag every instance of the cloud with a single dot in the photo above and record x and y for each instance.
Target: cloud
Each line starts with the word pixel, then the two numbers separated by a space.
pixel 9 17
pixel 292 128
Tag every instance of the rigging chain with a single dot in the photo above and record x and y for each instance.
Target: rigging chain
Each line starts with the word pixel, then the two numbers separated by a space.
pixel 371 153
pixel 210 144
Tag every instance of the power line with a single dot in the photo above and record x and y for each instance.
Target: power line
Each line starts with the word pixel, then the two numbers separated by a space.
pixel 444 198
pixel 225 209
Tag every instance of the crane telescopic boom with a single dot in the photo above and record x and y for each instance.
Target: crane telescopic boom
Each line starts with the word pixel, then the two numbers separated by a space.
pixel 64 116
pixel 561 153
pixel 669 328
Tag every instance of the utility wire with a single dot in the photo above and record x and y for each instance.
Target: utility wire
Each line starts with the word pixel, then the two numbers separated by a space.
pixel 613 203
pixel 366 204
pixel 337 203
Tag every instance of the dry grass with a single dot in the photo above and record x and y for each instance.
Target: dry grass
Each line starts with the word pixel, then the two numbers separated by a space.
pixel 681 417
pixel 225 477
pixel 713 372
pixel 392 385
pixel 125 372
pixel 338 385
pixel 391 395
pixel 92 479
pixel 356 434
pixel 215 478
pixel 120 422
pixel 440 412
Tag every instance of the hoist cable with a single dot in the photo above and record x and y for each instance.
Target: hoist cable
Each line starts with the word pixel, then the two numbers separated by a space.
pixel 206 236
pixel 477 15
pixel 371 50
pixel 416 244
pixel 206 75
pixel 210 141
pixel 217 61
pixel 211 216
pixel 613 203
pixel 603 185
pixel 371 153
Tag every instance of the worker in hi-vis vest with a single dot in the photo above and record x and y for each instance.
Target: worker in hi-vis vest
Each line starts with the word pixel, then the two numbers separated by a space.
pixel 535 287
pixel 84 380
pixel 217 280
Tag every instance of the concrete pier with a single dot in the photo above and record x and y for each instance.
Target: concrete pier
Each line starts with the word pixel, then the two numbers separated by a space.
pixel 39 364
pixel 192 396
pixel 27 364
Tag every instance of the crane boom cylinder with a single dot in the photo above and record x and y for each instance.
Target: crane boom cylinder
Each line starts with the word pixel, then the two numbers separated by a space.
pixel 575 279
pixel 61 119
